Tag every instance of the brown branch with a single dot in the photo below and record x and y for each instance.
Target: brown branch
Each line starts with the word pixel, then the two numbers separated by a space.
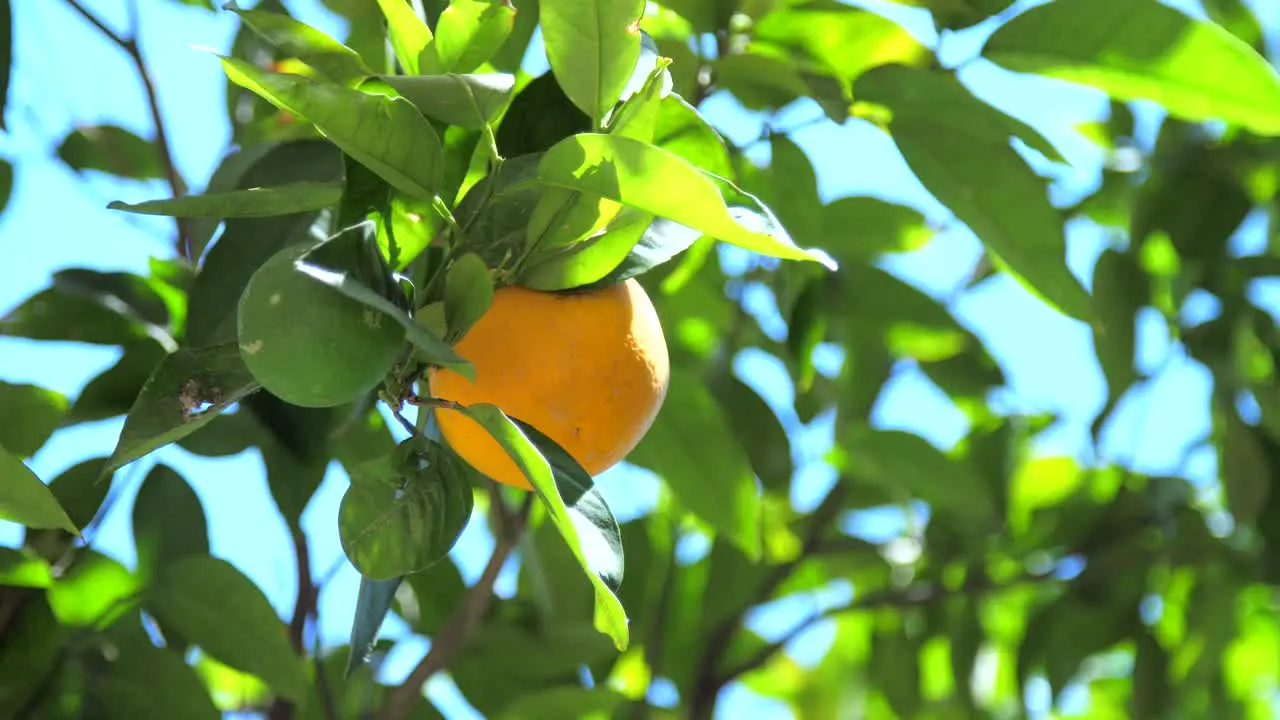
pixel 707 686
pixel 446 645
pixel 304 607
pixel 131 48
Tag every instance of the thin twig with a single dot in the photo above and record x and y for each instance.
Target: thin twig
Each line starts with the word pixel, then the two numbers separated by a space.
pixel 131 48
pixel 474 605
pixel 303 608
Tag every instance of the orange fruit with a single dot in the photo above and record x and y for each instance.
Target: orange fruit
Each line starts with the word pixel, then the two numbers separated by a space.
pixel 588 369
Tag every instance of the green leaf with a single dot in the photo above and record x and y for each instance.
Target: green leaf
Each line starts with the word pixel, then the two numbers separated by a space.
pixel 113 391
pixel 693 447
pixel 6 167
pixel 373 601
pixel 112 149
pixel 405 511
pixel 432 348
pixel 902 462
pixel 246 243
pixel 468 292
pixel 838 39
pixel 1143 49
pixel 387 135
pixel 861 228
pixel 592 46
pixel 57 314
pixel 23 568
pixel 254 202
pixel 959 148
pixel 660 183
pixel 409 35
pixel 1246 474
pixel 660 241
pixel 436 594
pixel 758 429
pixel 81 489
pixel 469 32
pixel 896 670
pixel 681 129
pixel 540 116
pixel 25 499
pixel 793 190
pixel 564 702
pixel 187 390
pixel 299 40
pixel 468 101
pixel 597 260
pixel 1152 691
pixel 1120 290
pixel 95 591
pixel 149 683
pixel 168 522
pixel 28 417
pixel 574 505
pixel 210 603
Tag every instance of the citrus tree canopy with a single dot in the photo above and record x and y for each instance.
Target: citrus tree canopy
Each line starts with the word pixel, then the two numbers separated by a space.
pixel 559 359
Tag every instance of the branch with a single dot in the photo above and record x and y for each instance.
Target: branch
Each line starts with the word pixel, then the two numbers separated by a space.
pixel 708 685
pixel 303 608
pixel 131 48
pixel 446 645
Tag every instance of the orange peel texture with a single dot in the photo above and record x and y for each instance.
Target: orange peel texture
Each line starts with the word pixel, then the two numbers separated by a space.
pixel 589 370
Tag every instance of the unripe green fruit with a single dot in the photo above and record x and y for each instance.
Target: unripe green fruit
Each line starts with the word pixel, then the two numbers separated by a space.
pixel 309 344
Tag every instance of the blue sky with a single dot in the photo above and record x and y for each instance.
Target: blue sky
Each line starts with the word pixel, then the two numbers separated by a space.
pixel 56 220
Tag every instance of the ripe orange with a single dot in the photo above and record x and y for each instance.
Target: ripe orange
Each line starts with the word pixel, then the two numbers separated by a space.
pixel 589 370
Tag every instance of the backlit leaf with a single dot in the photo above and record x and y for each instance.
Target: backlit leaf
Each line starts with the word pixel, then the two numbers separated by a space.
pixel 25 499
pixel 592 46
pixel 254 202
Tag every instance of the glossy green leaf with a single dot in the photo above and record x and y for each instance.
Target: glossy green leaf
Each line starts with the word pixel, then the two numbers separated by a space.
pixel 469 32
pixel 254 202
pixel 404 512
pixel 962 155
pixel 25 499
pixel 467 101
pixel 299 40
pixel 387 135
pixel 111 149
pixel 28 416
pixel 574 505
pixel 188 389
pixel 168 522
pixel 661 183
pixel 432 348
pixel 693 447
pixel 681 129
pixel 211 604
pixel 1144 49
pixel 839 39
pixel 592 47
pixel 409 35
pixel 603 258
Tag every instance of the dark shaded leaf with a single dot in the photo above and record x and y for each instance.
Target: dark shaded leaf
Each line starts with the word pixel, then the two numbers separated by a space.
pixel 255 202
pixel 25 499
pixel 372 604
pixel 758 429
pixel 28 416
pixel 214 606
pixel 114 150
pixel 113 391
pixel 540 116
pixel 168 522
pixel 467 101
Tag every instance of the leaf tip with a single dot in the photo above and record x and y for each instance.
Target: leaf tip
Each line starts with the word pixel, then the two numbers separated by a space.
pixel 117 205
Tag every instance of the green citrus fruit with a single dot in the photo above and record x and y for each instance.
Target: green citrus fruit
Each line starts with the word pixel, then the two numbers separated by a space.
pixel 309 344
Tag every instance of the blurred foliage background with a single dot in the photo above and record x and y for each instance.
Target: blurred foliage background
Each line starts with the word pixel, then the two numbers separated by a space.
pixel 1014 459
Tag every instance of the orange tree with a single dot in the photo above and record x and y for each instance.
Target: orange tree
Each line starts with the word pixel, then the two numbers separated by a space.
pixel 433 265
